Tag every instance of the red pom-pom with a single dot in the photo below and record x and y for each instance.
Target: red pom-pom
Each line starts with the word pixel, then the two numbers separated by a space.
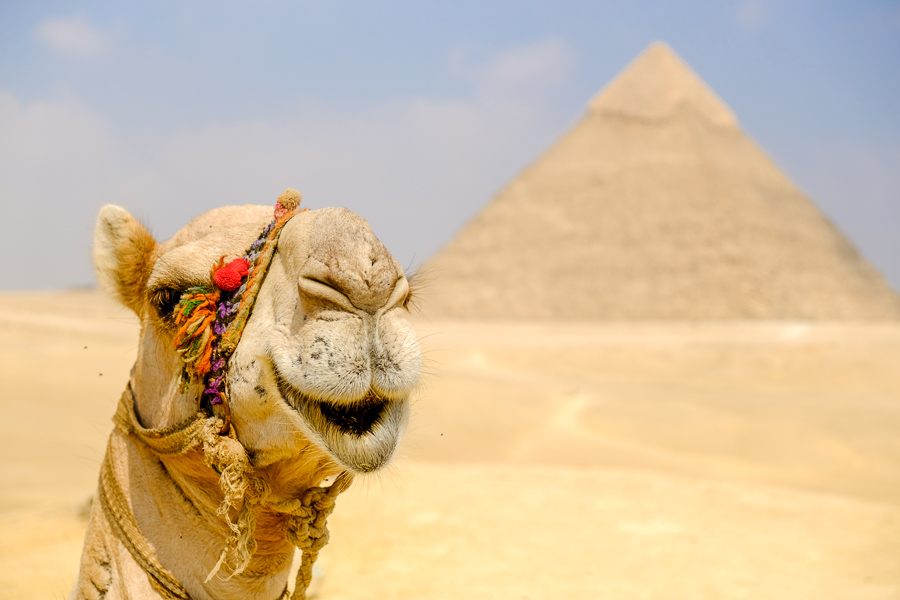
pixel 228 278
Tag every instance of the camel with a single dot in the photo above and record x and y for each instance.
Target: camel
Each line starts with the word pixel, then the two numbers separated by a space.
pixel 234 435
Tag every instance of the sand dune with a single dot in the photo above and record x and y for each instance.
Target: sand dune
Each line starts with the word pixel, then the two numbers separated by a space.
pixel 723 460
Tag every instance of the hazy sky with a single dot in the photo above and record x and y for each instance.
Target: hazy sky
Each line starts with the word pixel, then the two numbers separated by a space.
pixel 411 113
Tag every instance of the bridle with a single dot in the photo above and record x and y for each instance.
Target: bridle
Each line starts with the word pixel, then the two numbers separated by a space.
pixel 211 318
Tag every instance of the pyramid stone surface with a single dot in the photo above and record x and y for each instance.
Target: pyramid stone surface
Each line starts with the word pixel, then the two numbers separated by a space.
pixel 654 206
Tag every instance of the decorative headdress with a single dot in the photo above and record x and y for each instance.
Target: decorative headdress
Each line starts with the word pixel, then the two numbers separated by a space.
pixel 211 318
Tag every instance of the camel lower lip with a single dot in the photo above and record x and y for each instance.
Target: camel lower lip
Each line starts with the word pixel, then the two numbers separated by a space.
pixel 361 435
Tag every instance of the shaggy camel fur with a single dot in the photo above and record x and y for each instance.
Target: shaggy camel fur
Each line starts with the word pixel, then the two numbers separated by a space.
pixel 318 388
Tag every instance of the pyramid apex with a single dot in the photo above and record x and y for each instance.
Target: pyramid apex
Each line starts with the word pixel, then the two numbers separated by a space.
pixel 656 84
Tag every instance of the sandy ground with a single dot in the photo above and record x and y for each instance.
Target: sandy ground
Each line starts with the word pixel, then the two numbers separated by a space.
pixel 542 461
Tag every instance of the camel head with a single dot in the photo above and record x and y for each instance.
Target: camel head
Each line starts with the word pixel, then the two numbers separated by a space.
pixel 320 379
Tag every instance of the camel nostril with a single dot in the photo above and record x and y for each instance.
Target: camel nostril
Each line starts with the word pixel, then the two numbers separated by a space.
pixel 320 290
pixel 347 283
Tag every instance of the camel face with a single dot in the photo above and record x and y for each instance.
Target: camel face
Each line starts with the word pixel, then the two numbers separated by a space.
pixel 331 341
pixel 327 361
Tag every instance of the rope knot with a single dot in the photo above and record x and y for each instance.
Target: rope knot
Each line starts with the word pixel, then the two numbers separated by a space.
pixel 307 528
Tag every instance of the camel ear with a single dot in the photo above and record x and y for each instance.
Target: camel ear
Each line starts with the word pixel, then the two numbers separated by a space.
pixel 123 255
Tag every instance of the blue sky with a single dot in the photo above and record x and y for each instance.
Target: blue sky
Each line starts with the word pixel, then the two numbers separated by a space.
pixel 412 113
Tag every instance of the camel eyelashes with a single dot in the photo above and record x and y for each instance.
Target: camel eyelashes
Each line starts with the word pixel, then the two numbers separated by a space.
pixel 164 300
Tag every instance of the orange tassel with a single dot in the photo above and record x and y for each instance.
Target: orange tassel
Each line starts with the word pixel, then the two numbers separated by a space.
pixel 195 316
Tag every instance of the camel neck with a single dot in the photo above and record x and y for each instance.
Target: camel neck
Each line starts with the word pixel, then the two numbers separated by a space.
pixel 177 501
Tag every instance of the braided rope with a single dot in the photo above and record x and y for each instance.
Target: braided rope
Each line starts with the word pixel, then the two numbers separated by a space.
pixel 307 529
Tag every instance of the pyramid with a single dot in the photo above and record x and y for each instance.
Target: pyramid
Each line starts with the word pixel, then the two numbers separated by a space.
pixel 655 205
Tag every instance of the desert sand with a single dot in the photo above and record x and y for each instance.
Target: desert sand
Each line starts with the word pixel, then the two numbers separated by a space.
pixel 577 460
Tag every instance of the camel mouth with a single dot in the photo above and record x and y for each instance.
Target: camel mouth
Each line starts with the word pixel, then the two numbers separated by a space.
pixel 360 435
pixel 356 419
